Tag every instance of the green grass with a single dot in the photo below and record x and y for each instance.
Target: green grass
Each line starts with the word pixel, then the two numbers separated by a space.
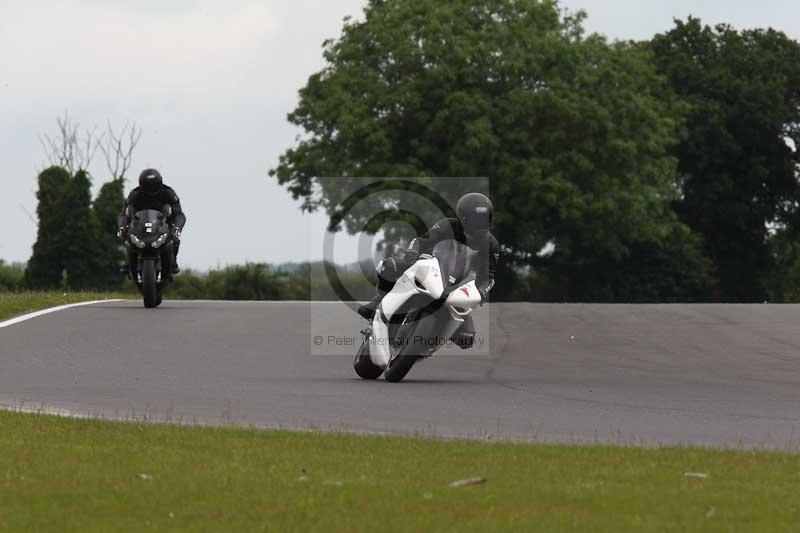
pixel 62 474
pixel 17 303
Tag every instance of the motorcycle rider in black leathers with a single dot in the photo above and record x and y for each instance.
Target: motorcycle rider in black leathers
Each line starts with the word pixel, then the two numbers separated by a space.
pixel 475 213
pixel 152 194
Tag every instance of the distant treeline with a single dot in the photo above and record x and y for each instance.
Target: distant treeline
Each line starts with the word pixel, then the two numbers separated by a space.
pixel 309 281
pixel 251 281
pixel 259 281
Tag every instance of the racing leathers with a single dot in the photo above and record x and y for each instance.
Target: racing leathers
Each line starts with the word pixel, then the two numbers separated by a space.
pixel 138 200
pixel 450 228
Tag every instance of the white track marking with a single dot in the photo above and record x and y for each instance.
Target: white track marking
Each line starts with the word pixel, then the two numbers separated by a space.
pixel 35 314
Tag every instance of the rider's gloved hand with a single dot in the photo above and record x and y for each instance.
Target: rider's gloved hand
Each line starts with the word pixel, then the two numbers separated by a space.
pixel 176 234
pixel 393 267
pixel 410 257
pixel 390 269
pixel 122 233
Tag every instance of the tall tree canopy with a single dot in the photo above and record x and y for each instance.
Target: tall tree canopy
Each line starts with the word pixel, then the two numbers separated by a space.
pixel 109 251
pixel 76 244
pixel 66 244
pixel 739 175
pixel 574 133
pixel 46 266
pixel 81 247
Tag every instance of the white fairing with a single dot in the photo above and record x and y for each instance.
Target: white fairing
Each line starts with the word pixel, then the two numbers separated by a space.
pixel 463 301
pixel 424 277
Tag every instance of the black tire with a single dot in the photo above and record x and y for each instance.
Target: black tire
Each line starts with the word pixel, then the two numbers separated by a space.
pixel 363 364
pixel 400 365
pixel 408 354
pixel 403 360
pixel 149 285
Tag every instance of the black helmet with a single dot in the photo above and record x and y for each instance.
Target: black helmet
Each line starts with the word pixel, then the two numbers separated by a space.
pixel 475 212
pixel 150 181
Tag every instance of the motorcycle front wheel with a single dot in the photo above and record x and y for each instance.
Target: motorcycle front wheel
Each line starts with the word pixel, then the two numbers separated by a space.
pixel 149 284
pixel 400 365
pixel 405 357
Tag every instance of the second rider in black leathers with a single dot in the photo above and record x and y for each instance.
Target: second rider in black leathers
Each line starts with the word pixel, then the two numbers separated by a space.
pixel 153 194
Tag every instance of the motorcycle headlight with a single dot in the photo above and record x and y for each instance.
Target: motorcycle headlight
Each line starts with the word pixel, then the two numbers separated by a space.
pixel 161 240
pixel 139 243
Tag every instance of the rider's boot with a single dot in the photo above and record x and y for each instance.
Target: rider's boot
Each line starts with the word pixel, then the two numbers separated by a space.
pixel 368 309
pixel 175 248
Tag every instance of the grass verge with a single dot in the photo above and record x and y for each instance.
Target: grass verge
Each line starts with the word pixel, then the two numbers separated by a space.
pixel 64 474
pixel 17 303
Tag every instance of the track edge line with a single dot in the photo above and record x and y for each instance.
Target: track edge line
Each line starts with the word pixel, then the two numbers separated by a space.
pixel 49 310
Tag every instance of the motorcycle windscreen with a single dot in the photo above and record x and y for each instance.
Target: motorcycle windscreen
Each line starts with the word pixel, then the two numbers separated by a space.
pixel 148 223
pixel 455 261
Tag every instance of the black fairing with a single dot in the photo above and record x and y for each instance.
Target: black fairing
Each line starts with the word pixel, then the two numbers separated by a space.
pixel 148 225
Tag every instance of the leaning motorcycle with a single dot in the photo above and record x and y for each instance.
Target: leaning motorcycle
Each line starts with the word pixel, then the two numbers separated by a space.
pixel 424 311
pixel 149 237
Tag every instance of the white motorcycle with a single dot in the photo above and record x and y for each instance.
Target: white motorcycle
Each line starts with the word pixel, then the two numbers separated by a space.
pixel 424 311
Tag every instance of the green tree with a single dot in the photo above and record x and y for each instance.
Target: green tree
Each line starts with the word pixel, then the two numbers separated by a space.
pixel 76 245
pixel 738 175
pixel 81 247
pixel 784 280
pixel 46 266
pixel 574 133
pixel 109 253
pixel 670 270
pixel 65 252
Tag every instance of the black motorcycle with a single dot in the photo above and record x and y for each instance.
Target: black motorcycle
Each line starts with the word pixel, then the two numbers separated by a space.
pixel 149 237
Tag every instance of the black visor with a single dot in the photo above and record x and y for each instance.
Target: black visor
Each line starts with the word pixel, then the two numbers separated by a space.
pixel 477 224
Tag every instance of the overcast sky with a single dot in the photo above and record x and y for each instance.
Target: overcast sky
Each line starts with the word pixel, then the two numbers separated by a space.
pixel 210 83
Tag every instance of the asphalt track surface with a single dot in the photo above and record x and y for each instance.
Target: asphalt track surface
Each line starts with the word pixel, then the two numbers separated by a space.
pixel 721 375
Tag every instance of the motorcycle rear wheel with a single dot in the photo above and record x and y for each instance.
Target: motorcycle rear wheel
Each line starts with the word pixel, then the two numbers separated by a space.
pixel 363 365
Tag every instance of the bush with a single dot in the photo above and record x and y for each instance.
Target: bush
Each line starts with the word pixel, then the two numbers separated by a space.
pixel 261 281
pixel 12 277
